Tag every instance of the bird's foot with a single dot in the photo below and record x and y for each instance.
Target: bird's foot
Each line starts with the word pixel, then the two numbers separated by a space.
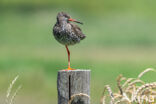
pixel 69 68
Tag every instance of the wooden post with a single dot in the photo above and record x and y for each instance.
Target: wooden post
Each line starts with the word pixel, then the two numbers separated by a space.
pixel 73 86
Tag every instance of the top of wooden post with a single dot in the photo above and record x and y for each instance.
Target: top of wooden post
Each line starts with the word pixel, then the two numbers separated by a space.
pixel 76 70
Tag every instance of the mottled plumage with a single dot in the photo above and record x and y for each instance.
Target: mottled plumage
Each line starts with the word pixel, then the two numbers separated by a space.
pixel 65 32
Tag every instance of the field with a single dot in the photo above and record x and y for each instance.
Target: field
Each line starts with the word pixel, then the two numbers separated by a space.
pixel 116 43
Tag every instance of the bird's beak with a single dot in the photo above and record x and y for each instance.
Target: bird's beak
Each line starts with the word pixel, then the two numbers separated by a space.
pixel 73 20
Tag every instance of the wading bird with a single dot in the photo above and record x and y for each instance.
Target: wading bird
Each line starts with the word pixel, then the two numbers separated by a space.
pixel 67 33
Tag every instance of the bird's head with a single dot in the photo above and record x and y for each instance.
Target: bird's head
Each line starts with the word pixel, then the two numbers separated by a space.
pixel 62 16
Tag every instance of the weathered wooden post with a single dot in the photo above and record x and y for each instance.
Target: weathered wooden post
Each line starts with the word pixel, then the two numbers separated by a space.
pixel 73 86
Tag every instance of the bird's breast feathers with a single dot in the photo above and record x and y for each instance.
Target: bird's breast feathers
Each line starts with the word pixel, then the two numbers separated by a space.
pixel 68 34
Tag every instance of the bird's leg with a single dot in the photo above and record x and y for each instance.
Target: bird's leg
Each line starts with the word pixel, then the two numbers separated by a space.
pixel 69 68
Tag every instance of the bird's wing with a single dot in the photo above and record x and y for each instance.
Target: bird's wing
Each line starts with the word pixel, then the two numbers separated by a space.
pixel 77 31
pixel 56 29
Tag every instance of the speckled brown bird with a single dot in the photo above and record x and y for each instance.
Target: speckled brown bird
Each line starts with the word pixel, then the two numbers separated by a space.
pixel 67 33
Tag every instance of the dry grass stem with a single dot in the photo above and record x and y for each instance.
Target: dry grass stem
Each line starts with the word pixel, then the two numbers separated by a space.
pixel 78 95
pixel 14 95
pixel 107 88
pixel 132 91
pixel 9 98
pixel 11 85
pixel 145 71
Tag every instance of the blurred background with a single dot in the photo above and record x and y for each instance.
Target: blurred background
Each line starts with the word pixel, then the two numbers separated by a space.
pixel 121 39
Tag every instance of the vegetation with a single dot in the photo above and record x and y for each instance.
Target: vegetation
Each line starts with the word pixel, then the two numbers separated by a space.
pixel 132 91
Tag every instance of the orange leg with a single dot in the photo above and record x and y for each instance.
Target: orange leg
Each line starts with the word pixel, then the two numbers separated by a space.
pixel 69 68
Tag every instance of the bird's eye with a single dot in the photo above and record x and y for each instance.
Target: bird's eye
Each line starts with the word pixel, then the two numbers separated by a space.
pixel 66 16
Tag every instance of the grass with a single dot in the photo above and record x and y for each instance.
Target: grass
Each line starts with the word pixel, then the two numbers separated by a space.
pixel 114 29
pixel 131 91
pixel 38 69
pixel 116 43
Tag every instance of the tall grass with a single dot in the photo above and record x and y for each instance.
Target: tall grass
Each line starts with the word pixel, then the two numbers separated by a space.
pixel 9 96
pixel 132 91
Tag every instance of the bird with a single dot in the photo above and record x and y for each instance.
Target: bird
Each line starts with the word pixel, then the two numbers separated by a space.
pixel 67 33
